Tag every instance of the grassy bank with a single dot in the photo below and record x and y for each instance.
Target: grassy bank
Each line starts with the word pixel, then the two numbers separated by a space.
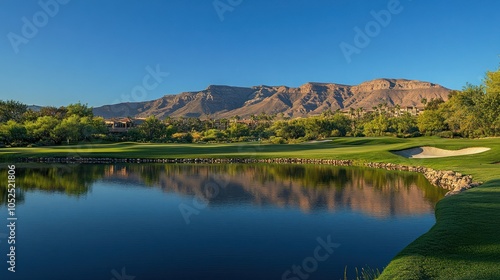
pixel 363 149
pixel 463 244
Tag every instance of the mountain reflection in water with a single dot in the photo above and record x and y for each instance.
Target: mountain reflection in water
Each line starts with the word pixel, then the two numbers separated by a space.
pixel 378 193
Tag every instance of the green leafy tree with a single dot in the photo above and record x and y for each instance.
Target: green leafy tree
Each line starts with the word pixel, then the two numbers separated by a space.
pixel 341 123
pixel 237 130
pixel 434 103
pixel 377 126
pixel 152 129
pixel 405 124
pixel 68 130
pixel 12 110
pixel 42 129
pixel 81 110
pixel 492 82
pixel 59 113
pixel 13 133
pixel 289 129
pixel 492 101
pixel 213 135
pixel 431 122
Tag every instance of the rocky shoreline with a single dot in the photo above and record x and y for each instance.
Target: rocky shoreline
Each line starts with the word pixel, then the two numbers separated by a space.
pixel 450 180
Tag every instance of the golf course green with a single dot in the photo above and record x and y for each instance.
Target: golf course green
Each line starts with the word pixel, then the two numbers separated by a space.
pixel 463 244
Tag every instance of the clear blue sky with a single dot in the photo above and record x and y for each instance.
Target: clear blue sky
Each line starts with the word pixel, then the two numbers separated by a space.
pixel 97 52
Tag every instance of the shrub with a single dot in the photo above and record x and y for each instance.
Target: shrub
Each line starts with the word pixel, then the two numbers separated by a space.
pixel 277 140
pixel 445 134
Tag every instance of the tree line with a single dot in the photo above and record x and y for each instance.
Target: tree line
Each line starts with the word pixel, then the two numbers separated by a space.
pixel 21 126
pixel 471 112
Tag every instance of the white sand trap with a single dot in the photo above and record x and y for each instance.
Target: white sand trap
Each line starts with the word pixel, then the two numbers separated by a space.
pixel 431 152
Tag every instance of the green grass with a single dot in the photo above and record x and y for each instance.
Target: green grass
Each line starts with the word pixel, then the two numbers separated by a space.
pixel 362 149
pixel 463 244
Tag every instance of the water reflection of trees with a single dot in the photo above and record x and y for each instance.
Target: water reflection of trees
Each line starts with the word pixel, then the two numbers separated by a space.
pixel 304 186
pixel 71 180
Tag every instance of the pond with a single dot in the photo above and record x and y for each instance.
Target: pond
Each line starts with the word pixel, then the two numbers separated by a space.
pixel 240 221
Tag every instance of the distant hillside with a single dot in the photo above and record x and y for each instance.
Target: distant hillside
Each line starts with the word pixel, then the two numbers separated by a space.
pixel 308 99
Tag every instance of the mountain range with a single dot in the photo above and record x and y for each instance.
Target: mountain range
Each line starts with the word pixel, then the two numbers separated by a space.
pixel 307 100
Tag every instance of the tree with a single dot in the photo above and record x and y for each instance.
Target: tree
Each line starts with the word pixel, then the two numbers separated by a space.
pixel 492 101
pixel 431 122
pixel 152 129
pixel 13 133
pixel 340 123
pixel 59 113
pixel 433 104
pixel 405 124
pixel 67 130
pixel 397 107
pixel 237 130
pixel 213 135
pixel 473 111
pixel 288 129
pixel 377 126
pixel 81 110
pixel 351 112
pixel 424 101
pixel 42 129
pixel 89 126
pixel 492 82
pixel 11 110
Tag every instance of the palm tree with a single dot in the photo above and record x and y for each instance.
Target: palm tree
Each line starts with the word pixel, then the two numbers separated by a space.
pixel 398 109
pixel 424 101
pixel 351 112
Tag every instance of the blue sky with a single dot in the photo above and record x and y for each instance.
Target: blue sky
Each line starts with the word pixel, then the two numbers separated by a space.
pixel 99 52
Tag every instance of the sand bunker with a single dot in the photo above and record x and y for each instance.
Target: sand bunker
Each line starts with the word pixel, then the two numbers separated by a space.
pixel 431 152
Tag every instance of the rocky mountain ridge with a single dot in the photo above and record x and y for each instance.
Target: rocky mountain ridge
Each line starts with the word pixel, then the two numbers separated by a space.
pixel 218 101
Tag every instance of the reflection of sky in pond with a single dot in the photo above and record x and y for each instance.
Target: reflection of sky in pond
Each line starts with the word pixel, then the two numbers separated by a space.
pixel 92 219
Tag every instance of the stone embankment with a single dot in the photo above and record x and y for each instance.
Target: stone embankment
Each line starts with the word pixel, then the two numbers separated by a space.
pixel 453 181
pixel 450 180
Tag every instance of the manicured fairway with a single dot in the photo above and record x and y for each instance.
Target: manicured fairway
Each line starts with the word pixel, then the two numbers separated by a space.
pixel 362 149
pixel 463 244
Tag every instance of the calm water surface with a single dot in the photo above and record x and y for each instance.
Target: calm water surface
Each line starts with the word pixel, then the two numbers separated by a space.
pixel 151 221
